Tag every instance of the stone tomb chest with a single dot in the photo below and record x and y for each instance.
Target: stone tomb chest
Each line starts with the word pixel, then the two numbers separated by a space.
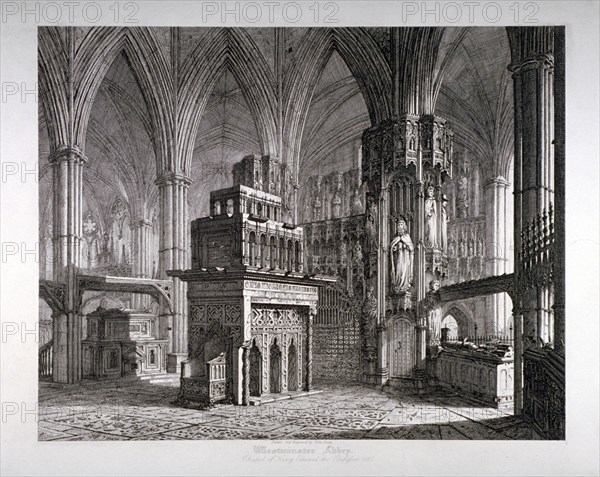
pixel 260 322
pixel 120 343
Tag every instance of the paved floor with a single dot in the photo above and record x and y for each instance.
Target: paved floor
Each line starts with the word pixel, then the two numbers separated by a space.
pixel 350 411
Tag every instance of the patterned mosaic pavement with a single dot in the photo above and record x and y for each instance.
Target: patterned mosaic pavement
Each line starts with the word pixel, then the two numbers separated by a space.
pixel 143 411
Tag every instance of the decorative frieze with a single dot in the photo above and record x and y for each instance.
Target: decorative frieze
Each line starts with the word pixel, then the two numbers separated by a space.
pixel 288 318
pixel 228 314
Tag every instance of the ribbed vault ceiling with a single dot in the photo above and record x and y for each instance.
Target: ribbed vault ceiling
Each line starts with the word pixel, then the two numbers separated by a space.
pixel 227 133
pixel 475 95
pixel 337 117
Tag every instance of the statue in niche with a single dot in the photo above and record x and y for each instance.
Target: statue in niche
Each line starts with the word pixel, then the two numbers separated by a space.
pixel 118 212
pixel 463 197
pixel 336 205
pixel 229 207
pixel 371 225
pixel 401 250
pixel 444 224
pixel 426 137
pixel 370 316
pixel 317 208
pixel 400 145
pixel 465 165
pixel 90 252
pixel 438 141
pixel 410 136
pixel 430 219
pixel 307 216
pixel 451 248
pixel 356 203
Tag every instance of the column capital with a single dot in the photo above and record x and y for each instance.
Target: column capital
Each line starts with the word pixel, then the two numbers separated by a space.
pixel 173 178
pixel 496 181
pixel 67 153
pixel 539 61
pixel 140 223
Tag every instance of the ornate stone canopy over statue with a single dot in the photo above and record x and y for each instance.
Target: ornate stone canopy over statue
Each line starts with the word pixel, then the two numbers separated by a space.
pixel 401 258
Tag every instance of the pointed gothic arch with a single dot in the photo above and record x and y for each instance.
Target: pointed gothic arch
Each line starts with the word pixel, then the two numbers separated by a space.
pixel 218 50
pixel 149 68
pixel 53 62
pixel 463 318
pixel 362 56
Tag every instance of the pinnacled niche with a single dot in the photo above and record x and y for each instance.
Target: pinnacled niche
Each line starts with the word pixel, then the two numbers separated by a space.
pixel 332 196
pixel 466 220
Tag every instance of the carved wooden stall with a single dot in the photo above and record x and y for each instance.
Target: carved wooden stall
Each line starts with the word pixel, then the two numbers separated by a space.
pixel 248 297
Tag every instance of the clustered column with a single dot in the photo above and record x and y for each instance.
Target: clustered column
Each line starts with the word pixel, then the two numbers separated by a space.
pixel 67 164
pixel 142 263
pixel 533 68
pixel 173 255
pixel 496 250
pixel 420 275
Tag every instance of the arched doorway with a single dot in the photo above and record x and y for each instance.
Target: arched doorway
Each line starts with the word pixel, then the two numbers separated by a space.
pixel 255 370
pixel 401 348
pixel 458 320
pixel 292 367
pixel 449 322
pixel 275 368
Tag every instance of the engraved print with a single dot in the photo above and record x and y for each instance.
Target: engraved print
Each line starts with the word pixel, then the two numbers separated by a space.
pixel 303 230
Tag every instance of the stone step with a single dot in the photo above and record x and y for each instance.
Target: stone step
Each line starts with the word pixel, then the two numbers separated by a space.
pixel 162 378
pixel 267 398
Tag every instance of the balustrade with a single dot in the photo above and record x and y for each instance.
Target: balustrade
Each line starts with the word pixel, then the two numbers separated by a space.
pixel 45 358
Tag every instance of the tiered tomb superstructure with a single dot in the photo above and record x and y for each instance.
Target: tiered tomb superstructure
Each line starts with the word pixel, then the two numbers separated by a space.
pixel 249 299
